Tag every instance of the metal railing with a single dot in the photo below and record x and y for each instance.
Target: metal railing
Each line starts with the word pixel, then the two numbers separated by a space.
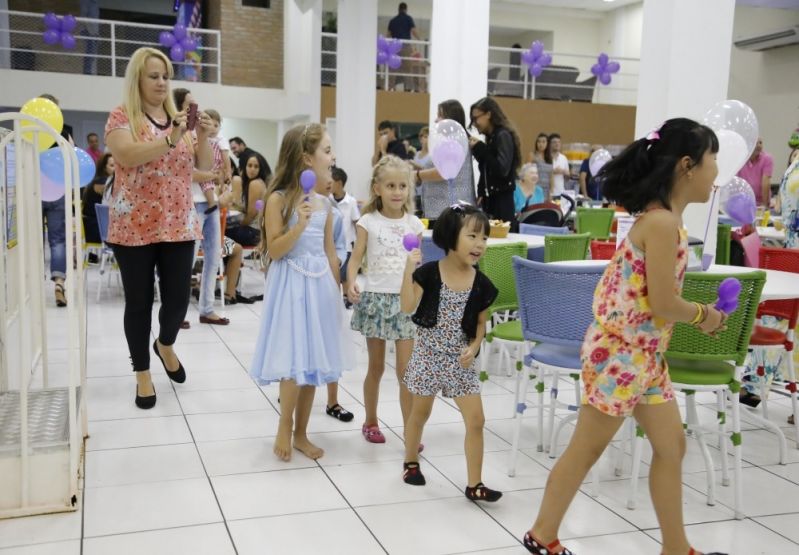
pixel 103 47
pixel 412 75
pixel 568 78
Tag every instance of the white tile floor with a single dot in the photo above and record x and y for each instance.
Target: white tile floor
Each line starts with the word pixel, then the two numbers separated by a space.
pixel 196 474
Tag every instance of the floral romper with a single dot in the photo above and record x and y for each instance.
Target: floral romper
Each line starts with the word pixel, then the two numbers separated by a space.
pixel 622 355
pixel 435 363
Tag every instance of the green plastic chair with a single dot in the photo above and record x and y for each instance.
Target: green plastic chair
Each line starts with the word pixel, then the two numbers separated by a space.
pixel 497 265
pixel 595 221
pixel 560 248
pixel 723 244
pixel 701 363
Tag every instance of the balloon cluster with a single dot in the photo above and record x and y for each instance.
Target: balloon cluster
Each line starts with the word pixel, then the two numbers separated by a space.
pixel 536 59
pixel 604 68
pixel 388 52
pixel 737 131
pixel 178 41
pixel 59 30
pixel 729 289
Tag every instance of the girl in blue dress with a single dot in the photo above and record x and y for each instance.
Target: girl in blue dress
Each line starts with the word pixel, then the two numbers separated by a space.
pixel 300 337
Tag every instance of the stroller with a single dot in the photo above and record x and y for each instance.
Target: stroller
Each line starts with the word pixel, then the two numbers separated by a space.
pixel 548 214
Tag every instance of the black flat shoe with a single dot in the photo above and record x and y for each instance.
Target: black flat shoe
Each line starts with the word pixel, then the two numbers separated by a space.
pixel 244 300
pixel 748 399
pixel 144 402
pixel 179 375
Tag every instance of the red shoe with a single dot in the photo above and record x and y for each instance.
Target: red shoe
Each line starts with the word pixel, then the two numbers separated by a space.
pixel 372 434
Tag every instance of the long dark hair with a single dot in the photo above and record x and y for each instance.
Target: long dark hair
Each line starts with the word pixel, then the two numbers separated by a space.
pixel 645 171
pixel 548 151
pixel 179 95
pixel 452 109
pixel 263 175
pixel 99 171
pixel 499 119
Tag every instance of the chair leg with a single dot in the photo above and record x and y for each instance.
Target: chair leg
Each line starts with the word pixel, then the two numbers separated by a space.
pixel 637 448
pixel 553 448
pixel 618 463
pixel 692 424
pixel 553 403
pixel 540 385
pixel 737 453
pixel 721 414
pixel 791 386
pixel 517 429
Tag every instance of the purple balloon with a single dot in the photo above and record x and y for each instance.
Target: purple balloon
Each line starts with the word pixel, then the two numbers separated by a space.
pixel 394 61
pixel 381 43
pixel 545 60
pixel 176 53
pixel 382 57
pixel 528 57
pixel 51 21
pixel 410 241
pixel 187 44
pixel 51 190
pixel 166 39
pixel 741 208
pixel 307 181
pixel 51 36
pixel 602 59
pixel 612 67
pixel 536 69
pixel 179 31
pixel 259 205
pixel 448 157
pixel 604 78
pixel 596 70
pixel 729 289
pixel 68 23
pixel 67 40
pixel 394 46
pixel 537 48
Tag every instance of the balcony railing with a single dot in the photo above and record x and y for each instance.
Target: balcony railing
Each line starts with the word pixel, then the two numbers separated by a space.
pixel 102 47
pixel 569 77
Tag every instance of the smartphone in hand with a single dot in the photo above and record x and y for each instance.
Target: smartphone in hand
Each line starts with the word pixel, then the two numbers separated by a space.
pixel 191 117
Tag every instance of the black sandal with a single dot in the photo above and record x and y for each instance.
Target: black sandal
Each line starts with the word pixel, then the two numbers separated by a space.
pixel 482 493
pixel 60 298
pixel 748 399
pixel 538 548
pixel 337 411
pixel 412 474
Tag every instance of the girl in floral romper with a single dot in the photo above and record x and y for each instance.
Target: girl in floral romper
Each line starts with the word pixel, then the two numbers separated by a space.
pixel 637 301
pixel 451 299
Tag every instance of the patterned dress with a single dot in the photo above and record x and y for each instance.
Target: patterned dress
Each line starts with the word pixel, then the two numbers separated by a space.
pixel 435 363
pixel 622 355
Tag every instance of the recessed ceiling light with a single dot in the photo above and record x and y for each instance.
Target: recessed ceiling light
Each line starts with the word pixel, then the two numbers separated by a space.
pixel 608 0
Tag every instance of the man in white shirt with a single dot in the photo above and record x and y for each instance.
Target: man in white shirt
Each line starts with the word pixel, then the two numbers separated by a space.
pixel 560 166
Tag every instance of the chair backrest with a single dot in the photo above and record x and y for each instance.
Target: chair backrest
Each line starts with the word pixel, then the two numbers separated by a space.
pixel 723 239
pixel 560 248
pixel 785 260
pixel 497 265
pixel 687 342
pixel 102 220
pixel 541 230
pixel 431 251
pixel 596 221
pixel 546 214
pixel 555 301
pixel 602 250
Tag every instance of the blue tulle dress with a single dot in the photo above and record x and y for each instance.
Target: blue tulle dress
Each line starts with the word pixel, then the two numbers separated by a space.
pixel 301 335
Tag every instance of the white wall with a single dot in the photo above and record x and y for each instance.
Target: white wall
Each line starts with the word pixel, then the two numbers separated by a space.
pixel 259 135
pixel 768 81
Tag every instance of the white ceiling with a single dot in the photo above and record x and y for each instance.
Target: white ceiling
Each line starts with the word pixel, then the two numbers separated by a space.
pixel 588 5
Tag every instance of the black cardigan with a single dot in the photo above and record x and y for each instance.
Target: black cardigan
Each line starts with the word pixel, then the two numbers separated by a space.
pixel 497 161
pixel 481 296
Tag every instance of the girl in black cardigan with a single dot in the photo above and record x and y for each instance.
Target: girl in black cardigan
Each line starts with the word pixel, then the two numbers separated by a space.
pixel 451 298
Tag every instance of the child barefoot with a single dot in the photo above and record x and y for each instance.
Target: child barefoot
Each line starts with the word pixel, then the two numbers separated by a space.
pixel 451 316
pixel 300 339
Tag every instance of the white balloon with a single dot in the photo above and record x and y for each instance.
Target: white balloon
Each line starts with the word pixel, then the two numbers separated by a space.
pixel 449 147
pixel 732 155
pixel 598 159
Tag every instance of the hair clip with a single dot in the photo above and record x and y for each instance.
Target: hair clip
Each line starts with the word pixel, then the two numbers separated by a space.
pixel 654 135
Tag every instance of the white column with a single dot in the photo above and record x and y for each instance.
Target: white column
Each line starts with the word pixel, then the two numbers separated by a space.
pixel 356 53
pixel 685 68
pixel 302 53
pixel 458 52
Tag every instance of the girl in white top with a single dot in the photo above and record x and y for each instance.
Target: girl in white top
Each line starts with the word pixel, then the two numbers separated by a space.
pixel 560 166
pixel 387 218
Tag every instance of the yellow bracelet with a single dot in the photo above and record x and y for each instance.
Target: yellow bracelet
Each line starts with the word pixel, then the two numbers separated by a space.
pixel 699 313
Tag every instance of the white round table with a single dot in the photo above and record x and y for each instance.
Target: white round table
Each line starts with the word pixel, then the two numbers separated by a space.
pixel 533 241
pixel 778 286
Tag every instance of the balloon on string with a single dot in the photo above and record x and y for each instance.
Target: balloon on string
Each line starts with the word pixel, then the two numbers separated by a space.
pixel 536 59
pixel 179 31
pixel 410 241
pixel 47 111
pixel 448 147
pixel 51 165
pixel 166 39
pixel 598 160
pixel 50 190
pixel 52 21
pixel 67 40
pixel 729 289
pixel 737 200
pixel 68 23
pixel 51 36
pixel 176 53
pixel 394 61
pixel 307 181
pixel 736 126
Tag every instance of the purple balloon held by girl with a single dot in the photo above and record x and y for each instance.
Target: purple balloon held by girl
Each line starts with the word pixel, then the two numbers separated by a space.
pixel 410 241
pixel 729 289
pixel 307 181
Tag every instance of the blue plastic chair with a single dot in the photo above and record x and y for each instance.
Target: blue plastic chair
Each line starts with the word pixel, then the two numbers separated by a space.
pixel 541 230
pixel 431 251
pixel 555 303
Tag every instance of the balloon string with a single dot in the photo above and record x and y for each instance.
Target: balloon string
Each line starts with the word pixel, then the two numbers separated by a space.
pixel 710 215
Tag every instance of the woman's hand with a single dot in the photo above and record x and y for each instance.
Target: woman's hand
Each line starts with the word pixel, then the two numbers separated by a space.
pixel 467 357
pixel 178 127
pixel 354 293
pixel 204 126
pixel 473 141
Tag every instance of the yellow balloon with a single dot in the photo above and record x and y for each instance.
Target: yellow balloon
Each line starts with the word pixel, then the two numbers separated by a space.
pixel 47 111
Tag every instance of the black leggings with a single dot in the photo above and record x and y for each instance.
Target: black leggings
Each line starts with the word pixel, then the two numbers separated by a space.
pixel 137 266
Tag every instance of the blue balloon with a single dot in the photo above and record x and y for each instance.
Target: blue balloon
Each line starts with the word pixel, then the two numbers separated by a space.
pixel 51 164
